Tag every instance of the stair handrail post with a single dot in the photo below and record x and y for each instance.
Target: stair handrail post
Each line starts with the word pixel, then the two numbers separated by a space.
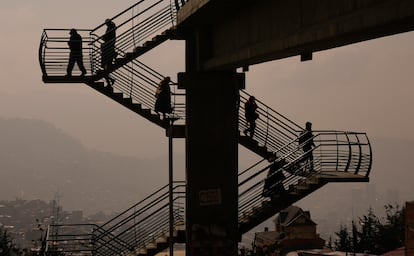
pixel 93 241
pixel 42 50
pixel 171 188
pixel 360 153
pixel 349 154
pixel 94 54
pixel 337 152
pixel 267 125
pixel 46 245
pixel 119 14
pixel 370 156
pixel 172 12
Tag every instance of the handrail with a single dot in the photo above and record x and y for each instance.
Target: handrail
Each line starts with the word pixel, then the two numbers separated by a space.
pixel 54 51
pixel 153 17
pixel 149 216
pixel 128 231
pixel 147 221
pixel 273 129
pixel 119 14
pixel 135 80
pixel 334 151
pixel 139 82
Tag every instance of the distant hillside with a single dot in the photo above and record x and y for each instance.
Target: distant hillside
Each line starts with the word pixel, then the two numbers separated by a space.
pixel 37 160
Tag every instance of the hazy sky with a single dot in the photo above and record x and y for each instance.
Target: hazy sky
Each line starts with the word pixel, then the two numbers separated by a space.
pixel 364 87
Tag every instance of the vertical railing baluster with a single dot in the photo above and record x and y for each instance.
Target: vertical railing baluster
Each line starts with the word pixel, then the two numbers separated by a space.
pixel 267 125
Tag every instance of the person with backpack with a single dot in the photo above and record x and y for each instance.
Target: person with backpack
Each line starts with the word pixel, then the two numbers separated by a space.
pixel 163 95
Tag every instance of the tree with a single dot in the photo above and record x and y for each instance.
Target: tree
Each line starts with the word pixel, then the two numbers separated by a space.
pixel 391 234
pixel 7 246
pixel 370 235
pixel 367 237
pixel 344 240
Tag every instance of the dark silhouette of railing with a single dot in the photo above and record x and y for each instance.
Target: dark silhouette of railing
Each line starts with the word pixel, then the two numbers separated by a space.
pixel 54 52
pixel 139 82
pixel 273 130
pixel 145 222
pixel 139 27
pixel 137 24
pixel 135 229
pixel 337 156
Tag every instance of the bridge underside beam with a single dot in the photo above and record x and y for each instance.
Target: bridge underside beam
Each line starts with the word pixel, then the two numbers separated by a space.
pixel 250 32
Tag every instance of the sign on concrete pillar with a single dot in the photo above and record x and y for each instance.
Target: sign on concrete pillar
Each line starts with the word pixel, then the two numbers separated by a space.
pixel 212 162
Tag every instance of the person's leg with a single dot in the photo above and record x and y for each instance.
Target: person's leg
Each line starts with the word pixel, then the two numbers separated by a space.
pixel 70 66
pixel 247 129
pixel 109 80
pixel 310 157
pixel 252 128
pixel 81 66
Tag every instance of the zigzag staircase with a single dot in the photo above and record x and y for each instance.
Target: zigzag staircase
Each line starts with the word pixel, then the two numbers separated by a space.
pixel 143 229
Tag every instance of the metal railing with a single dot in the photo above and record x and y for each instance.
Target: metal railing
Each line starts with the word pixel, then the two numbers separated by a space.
pixel 70 238
pixel 135 79
pixel 273 130
pixel 144 223
pixel 334 151
pixel 136 25
pixel 54 51
pixel 147 221
pixel 139 82
pixel 139 226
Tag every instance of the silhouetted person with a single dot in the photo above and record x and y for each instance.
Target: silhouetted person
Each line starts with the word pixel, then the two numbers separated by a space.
pixel 273 186
pixel 251 115
pixel 108 49
pixel 75 55
pixel 306 140
pixel 163 95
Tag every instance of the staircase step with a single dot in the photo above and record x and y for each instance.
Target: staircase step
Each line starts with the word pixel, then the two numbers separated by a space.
pixel 138 49
pixel 141 252
pixel 66 80
pixel 162 245
pixel 180 237
pixel 146 111
pixel 169 31
pixel 159 38
pixel 302 187
pixel 128 55
pixel 136 106
pixel 151 249
pixel 149 44
pixel 127 101
pixel 118 95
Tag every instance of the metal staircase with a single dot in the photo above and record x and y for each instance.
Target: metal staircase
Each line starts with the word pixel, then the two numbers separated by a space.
pixel 143 229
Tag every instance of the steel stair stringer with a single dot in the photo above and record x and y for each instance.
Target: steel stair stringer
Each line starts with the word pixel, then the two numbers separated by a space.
pixel 128 103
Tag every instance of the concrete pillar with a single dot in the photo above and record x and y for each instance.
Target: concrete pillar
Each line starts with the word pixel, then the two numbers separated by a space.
pixel 212 162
